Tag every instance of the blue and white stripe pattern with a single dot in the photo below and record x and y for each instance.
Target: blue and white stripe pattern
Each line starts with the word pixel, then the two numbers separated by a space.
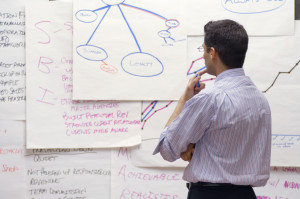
pixel 231 126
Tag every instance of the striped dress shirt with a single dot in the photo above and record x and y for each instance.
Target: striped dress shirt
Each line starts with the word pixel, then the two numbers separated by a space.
pixel 231 126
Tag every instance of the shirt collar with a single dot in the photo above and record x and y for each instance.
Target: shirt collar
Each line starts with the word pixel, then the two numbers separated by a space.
pixel 230 73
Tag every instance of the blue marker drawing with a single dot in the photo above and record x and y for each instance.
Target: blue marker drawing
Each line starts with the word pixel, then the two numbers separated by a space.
pixel 98 25
pixel 140 64
pixel 285 140
pixel 252 7
pixel 153 65
pixel 101 8
pixel 153 106
pixel 130 29
pixel 192 65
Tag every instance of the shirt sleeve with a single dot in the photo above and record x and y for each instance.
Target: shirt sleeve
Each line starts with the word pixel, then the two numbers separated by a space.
pixel 188 127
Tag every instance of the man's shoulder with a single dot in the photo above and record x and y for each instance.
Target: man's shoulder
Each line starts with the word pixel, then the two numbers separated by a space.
pixel 212 92
pixel 206 97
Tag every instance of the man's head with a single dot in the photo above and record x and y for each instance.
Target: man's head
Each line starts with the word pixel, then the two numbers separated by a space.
pixel 229 39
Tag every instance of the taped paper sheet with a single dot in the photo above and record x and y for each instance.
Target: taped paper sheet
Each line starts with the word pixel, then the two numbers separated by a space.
pixel 12 60
pixel 129 181
pixel 284 183
pixel 260 18
pixel 53 119
pixel 67 173
pixel 155 115
pixel 128 50
pixel 12 150
pixel 275 71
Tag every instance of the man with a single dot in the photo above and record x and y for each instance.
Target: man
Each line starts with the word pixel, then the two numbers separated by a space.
pixel 229 124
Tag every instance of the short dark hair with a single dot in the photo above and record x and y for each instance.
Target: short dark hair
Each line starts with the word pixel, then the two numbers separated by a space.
pixel 230 40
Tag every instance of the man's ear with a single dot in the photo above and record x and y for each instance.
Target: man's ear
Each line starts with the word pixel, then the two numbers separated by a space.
pixel 213 53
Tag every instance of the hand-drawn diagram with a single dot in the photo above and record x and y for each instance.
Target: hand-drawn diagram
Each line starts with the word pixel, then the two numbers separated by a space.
pixel 278 13
pixel 146 116
pixel 140 63
pixel 196 68
pixel 279 73
pixel 192 65
pixel 125 41
pixel 284 140
pixel 251 7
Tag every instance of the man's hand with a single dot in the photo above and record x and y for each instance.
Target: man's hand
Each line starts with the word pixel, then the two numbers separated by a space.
pixel 188 154
pixel 189 92
pixel 192 88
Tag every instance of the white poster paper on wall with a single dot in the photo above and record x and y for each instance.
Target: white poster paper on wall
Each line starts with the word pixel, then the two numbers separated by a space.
pixel 128 50
pixel 12 60
pixel 12 166
pixel 284 183
pixel 67 173
pixel 273 65
pixel 154 117
pixel 129 181
pixel 260 18
pixel 53 119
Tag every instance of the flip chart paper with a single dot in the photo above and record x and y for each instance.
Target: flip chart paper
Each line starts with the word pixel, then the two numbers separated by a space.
pixel 12 183
pixel 129 181
pixel 12 60
pixel 128 50
pixel 260 18
pixel 68 173
pixel 154 118
pixel 274 69
pixel 53 119
pixel 283 183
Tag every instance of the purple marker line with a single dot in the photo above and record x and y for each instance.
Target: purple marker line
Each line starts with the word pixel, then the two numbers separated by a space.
pixel 192 64
pixel 148 107
pixel 205 80
pixel 156 112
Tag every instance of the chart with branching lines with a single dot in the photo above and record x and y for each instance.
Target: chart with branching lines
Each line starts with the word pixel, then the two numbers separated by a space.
pixel 140 44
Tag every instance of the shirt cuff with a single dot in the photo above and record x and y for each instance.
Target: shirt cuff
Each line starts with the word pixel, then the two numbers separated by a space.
pixel 162 136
